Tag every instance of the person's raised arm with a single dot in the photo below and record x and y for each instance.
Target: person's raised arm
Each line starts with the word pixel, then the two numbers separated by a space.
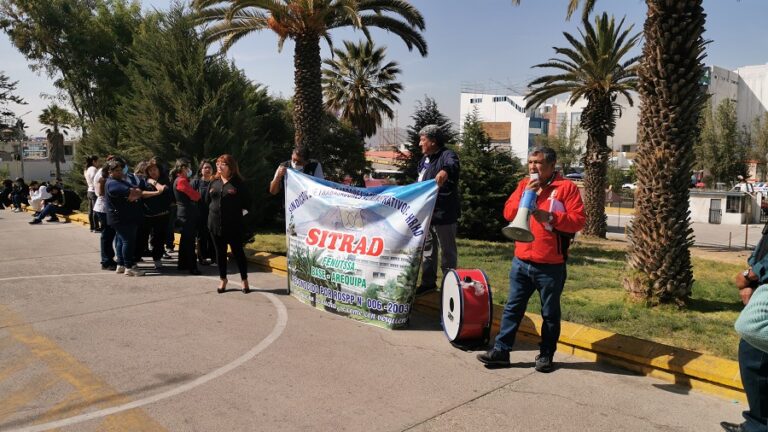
pixel 277 180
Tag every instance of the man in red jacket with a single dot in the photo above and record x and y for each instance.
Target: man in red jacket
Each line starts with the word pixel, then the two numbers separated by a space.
pixel 540 264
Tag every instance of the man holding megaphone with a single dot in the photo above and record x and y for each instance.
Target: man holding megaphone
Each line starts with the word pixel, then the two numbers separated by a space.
pixel 554 212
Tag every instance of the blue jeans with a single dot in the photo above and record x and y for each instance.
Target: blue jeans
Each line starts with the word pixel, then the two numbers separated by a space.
pixel 107 239
pixel 52 210
pixel 753 366
pixel 125 243
pixel 524 279
pixel 18 200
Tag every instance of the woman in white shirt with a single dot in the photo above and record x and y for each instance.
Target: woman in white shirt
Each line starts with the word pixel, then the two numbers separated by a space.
pixel 91 167
pixel 37 195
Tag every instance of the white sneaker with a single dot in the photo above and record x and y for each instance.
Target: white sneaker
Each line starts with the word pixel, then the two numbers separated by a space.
pixel 120 269
pixel 158 265
pixel 17 210
pixel 134 271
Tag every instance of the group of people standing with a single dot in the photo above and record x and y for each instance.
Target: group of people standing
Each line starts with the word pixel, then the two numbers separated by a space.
pixel 138 212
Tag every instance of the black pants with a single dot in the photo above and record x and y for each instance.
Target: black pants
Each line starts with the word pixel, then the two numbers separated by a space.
pixel 205 247
pixel 92 218
pixel 157 227
pixel 235 242
pixel 142 240
pixel 753 365
pixel 187 257
pixel 171 228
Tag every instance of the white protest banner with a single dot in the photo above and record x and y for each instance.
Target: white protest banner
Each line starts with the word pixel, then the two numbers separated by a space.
pixel 356 251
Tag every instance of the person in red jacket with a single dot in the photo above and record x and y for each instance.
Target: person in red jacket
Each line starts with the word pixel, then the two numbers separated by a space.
pixel 540 264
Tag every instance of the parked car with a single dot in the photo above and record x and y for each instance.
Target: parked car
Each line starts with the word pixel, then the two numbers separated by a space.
pixel 629 186
pixel 575 176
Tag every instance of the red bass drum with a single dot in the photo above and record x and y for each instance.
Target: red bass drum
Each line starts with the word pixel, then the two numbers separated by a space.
pixel 467 307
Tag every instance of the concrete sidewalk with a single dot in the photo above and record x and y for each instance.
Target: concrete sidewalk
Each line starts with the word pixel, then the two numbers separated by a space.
pixel 76 341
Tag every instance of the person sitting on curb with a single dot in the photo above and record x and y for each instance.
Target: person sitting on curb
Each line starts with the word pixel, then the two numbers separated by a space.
pixel 62 202
pixel 5 194
pixel 19 195
pixel 37 197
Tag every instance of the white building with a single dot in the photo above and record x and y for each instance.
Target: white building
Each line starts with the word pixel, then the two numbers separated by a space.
pixel 35 165
pixel 504 118
pixel 752 93
pixel 509 124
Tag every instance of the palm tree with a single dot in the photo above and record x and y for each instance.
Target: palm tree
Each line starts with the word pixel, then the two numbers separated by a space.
pixel 671 100
pixel 358 87
pixel 573 5
pixel 305 22
pixel 593 69
pixel 59 120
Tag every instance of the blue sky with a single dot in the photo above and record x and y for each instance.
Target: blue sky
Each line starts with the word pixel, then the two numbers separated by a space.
pixel 487 44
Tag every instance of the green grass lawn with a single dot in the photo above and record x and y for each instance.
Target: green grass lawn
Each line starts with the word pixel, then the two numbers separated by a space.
pixel 594 295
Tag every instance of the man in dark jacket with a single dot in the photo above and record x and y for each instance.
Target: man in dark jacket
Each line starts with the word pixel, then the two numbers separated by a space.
pixel 300 161
pixel 19 195
pixel 442 165
pixel 62 202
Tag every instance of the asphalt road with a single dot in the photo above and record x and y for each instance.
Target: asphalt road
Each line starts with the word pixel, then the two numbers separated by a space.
pixel 720 236
pixel 84 350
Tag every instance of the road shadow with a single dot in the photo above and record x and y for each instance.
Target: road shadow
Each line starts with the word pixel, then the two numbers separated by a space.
pixel 610 350
pixel 423 321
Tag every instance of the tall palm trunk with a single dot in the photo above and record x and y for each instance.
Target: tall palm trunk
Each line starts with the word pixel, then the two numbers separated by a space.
pixel 598 119
pixel 595 170
pixel 671 98
pixel 308 97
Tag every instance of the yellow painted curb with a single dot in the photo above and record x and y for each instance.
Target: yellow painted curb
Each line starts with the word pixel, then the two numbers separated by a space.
pixel 702 372
pixel 691 369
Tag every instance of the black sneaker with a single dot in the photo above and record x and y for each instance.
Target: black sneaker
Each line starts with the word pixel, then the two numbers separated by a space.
pixel 111 267
pixel 544 363
pixel 35 221
pixel 732 427
pixel 494 357
pixel 52 219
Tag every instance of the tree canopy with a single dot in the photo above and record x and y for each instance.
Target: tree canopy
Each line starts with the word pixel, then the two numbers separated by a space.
pixel 488 177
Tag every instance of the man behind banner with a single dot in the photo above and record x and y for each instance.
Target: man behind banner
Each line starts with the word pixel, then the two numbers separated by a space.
pixel 441 164
pixel 300 162
pixel 539 265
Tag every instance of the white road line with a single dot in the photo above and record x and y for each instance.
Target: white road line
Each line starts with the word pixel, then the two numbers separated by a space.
pixel 277 330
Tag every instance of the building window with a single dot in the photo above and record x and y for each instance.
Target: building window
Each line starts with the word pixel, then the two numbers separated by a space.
pixel 735 204
pixel 379 275
pixel 67 150
pixel 476 100
pixel 499 98
pixel 575 118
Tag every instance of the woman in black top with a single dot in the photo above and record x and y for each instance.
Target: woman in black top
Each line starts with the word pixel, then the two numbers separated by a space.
pixel 205 250
pixel 228 202
pixel 157 210
pixel 187 215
